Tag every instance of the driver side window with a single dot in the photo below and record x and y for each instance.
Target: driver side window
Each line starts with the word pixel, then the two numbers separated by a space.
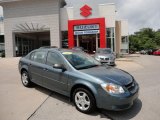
pixel 53 58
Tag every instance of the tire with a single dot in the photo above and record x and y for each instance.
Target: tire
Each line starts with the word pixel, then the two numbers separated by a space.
pixel 25 79
pixel 84 100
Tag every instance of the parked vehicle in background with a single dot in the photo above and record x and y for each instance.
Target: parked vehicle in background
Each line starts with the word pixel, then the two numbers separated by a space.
pixel 143 52
pixel 2 53
pixel 156 52
pixel 105 55
pixel 78 48
pixel 151 51
pixel 131 52
pixel 137 52
pixel 80 77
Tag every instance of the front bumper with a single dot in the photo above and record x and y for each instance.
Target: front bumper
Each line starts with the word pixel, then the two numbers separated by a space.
pixel 116 102
pixel 110 62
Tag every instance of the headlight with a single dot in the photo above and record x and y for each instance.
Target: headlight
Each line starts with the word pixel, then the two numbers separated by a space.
pixel 97 57
pixel 112 88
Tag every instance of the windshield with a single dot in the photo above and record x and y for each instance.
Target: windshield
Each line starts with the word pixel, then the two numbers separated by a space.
pixel 80 60
pixel 106 51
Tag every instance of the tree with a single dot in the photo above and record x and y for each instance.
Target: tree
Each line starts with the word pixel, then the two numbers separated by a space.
pixel 144 39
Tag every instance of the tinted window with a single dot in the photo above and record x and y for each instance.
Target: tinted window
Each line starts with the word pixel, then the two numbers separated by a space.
pixel 32 56
pixel 38 56
pixel 106 51
pixel 53 58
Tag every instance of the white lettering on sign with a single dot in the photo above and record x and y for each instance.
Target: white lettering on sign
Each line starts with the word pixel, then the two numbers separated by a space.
pixel 87 27
pixel 87 32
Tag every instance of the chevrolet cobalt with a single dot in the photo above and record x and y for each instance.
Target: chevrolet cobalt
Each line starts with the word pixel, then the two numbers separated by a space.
pixel 80 77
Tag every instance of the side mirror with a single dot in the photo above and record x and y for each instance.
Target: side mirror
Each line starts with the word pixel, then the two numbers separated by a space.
pixel 59 66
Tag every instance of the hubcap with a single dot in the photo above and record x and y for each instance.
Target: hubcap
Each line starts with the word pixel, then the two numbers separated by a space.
pixel 82 100
pixel 24 78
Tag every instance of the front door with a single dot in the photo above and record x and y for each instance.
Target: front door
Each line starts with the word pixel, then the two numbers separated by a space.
pixel 88 42
pixel 55 79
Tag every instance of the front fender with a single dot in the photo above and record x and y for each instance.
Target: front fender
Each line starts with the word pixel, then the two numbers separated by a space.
pixel 91 86
pixel 24 67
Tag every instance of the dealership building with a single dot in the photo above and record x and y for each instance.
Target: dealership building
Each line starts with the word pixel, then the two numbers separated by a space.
pixel 30 24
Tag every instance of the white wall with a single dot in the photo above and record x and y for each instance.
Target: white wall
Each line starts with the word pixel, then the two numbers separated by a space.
pixel 65 15
pixel 42 12
pixel 1 28
pixel 124 32
pixel 124 46
pixel 124 28
pixel 91 3
pixel 108 11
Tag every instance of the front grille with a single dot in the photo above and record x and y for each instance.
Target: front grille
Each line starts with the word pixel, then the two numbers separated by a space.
pixel 130 86
pixel 102 58
pixel 106 58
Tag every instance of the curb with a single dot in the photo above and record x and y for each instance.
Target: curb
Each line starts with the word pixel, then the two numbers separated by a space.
pixel 125 60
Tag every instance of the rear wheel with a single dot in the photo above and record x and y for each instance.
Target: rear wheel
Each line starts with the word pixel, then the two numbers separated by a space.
pixel 84 100
pixel 25 79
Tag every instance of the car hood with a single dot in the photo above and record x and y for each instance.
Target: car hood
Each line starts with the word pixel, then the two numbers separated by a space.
pixel 105 55
pixel 109 74
pixel 111 56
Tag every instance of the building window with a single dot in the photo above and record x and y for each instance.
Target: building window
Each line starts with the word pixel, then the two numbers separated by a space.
pixel 109 42
pixel 110 38
pixel 1 38
pixel 64 39
pixel 124 39
pixel 1 18
pixel 124 50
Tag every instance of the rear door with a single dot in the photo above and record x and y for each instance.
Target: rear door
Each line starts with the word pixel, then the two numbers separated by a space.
pixel 55 79
pixel 36 66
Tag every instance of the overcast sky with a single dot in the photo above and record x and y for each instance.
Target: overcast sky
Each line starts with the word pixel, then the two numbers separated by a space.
pixel 140 13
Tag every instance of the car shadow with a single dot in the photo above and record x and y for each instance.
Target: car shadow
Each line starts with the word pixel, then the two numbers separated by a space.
pixel 113 115
pixel 126 114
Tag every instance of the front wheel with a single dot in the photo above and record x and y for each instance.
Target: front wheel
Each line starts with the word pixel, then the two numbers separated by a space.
pixel 84 100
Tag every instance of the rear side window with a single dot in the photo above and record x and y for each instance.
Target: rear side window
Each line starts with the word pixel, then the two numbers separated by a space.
pixel 32 56
pixel 53 58
pixel 38 56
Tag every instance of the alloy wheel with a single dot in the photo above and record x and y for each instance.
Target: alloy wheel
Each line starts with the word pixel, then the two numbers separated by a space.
pixel 25 79
pixel 82 100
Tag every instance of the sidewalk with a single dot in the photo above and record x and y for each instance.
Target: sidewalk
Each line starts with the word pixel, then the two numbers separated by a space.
pixel 124 59
pixel 128 57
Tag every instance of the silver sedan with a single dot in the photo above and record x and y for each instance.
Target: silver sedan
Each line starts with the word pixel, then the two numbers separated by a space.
pixel 105 55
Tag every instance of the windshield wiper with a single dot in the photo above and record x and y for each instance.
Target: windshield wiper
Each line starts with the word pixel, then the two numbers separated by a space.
pixel 86 67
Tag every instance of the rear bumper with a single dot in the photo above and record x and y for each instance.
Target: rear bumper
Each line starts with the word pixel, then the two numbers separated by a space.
pixel 117 103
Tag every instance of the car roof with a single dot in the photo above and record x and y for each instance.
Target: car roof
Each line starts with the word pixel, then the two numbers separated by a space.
pixel 103 48
pixel 56 49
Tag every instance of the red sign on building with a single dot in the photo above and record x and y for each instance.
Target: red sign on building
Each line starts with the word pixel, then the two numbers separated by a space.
pixel 86 10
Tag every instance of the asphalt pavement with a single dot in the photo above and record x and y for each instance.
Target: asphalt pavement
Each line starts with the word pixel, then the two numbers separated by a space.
pixel 37 103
